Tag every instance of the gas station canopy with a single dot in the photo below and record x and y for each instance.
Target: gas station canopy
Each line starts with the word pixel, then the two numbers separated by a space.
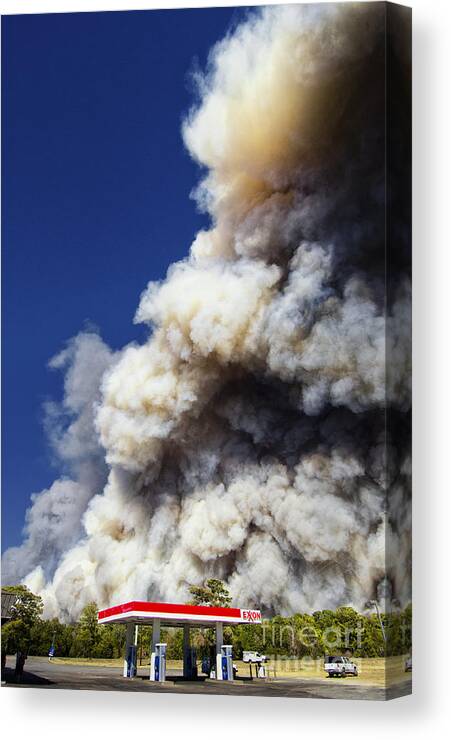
pixel 177 615
pixel 136 613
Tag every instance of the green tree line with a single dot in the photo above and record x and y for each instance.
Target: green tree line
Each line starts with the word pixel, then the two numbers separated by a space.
pixel 323 632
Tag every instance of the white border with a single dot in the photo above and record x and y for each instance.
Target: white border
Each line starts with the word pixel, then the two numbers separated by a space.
pixel 49 713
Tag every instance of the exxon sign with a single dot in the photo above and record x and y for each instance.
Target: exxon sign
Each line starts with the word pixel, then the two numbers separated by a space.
pixel 251 615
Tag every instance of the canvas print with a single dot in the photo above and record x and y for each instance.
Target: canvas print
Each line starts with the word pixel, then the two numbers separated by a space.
pixel 206 351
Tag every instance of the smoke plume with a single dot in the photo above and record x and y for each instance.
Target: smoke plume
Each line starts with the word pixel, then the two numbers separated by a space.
pixel 246 438
pixel 53 521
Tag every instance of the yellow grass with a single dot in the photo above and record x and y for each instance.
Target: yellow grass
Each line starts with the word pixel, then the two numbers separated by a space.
pixel 372 671
pixel 99 662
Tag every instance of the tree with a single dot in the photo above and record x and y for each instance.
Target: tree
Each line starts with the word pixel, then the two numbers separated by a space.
pixel 88 632
pixel 45 633
pixel 25 612
pixel 398 626
pixel 372 643
pixel 212 593
pixel 174 640
pixel 110 641
pixel 307 636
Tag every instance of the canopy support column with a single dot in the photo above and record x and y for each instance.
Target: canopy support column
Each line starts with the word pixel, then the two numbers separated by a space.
pixel 219 641
pixel 155 640
pixel 131 635
pixel 186 652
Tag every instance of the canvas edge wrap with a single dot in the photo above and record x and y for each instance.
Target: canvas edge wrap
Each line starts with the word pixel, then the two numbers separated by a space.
pixel 398 224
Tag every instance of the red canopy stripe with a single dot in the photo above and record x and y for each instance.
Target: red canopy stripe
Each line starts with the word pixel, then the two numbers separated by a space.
pixel 188 609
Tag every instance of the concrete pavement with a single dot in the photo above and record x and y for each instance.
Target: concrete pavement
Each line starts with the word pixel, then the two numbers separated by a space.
pixel 40 673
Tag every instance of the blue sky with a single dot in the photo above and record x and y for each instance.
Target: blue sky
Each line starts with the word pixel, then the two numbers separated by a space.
pixel 96 203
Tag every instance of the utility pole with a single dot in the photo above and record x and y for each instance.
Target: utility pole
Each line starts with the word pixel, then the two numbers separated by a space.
pixel 369 604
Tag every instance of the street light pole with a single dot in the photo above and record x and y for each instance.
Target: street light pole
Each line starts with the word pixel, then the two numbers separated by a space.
pixel 52 646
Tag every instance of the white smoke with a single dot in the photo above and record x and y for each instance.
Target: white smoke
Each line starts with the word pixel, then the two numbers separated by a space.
pixel 53 521
pixel 245 439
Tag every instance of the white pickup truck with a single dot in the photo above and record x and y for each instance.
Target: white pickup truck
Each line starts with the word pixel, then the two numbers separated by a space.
pixel 340 666
pixel 252 656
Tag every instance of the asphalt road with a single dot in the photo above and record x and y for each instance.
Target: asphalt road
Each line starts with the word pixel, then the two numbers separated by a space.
pixel 40 673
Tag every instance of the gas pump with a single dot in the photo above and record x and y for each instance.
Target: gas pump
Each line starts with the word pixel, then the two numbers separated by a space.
pixel 131 661
pixel 226 663
pixel 158 663
pixel 261 670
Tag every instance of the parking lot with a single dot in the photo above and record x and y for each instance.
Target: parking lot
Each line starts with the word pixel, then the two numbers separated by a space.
pixel 40 673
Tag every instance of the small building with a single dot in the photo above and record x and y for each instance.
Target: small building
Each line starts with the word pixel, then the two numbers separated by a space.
pixel 8 601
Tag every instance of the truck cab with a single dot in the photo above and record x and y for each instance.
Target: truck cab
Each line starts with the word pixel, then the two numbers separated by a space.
pixel 252 656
